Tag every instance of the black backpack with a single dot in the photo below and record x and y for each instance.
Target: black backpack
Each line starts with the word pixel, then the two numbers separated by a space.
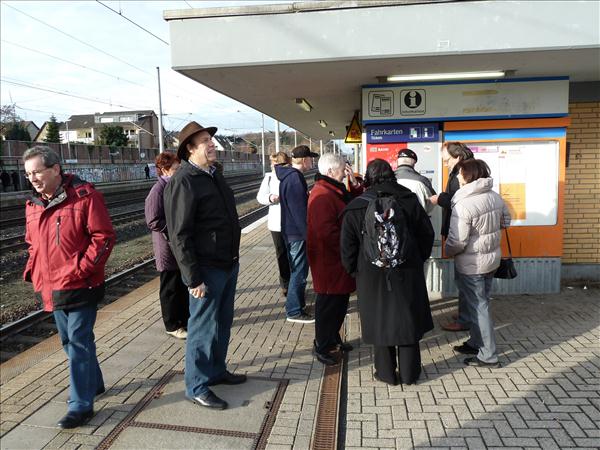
pixel 386 239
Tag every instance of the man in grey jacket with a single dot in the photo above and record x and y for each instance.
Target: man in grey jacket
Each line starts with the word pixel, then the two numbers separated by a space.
pixel 408 177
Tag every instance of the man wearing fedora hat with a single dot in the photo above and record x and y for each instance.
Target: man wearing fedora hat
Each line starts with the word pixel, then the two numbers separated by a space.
pixel 204 234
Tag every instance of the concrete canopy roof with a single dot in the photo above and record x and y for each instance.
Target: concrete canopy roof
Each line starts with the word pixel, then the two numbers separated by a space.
pixel 268 56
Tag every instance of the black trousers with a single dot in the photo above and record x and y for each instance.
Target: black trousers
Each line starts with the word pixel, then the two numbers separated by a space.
pixel 407 358
pixel 174 300
pixel 282 259
pixel 330 311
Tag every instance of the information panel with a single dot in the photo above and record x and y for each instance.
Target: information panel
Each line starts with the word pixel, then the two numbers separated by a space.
pixel 526 176
pixel 459 100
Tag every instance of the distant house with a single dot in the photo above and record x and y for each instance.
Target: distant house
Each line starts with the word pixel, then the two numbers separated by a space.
pixel 141 127
pixel 31 128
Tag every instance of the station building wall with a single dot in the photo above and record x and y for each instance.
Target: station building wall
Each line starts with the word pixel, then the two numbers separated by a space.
pixel 582 189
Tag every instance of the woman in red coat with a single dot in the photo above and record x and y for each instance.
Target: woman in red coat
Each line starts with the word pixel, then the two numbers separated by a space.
pixel 331 282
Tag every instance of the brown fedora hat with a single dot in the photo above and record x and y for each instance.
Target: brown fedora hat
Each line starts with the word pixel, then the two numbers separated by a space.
pixel 187 133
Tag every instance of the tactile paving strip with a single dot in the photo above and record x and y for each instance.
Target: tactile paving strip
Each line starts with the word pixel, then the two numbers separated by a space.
pixel 260 438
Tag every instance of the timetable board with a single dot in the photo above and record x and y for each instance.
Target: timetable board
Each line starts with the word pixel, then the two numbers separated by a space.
pixel 526 176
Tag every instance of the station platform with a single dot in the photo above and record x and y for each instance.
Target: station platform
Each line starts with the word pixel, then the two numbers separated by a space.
pixel 545 395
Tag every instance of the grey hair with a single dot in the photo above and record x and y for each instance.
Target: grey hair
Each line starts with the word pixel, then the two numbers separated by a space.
pixel 330 161
pixel 49 156
pixel 406 160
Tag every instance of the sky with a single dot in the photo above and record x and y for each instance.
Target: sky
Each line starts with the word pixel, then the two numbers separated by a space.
pixel 105 63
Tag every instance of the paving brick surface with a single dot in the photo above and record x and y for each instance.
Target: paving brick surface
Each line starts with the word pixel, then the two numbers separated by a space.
pixel 134 353
pixel 546 395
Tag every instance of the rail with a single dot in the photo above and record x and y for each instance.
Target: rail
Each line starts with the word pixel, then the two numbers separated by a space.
pixel 35 317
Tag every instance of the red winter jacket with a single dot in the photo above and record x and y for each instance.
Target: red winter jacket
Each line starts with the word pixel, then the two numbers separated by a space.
pixel 69 240
pixel 326 203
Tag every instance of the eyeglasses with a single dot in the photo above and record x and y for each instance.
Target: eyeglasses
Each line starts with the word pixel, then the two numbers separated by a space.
pixel 36 172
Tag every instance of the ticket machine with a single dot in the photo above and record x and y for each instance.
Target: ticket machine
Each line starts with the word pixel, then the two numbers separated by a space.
pixel 425 139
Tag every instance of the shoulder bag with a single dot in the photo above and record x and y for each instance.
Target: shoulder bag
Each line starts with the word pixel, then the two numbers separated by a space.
pixel 507 269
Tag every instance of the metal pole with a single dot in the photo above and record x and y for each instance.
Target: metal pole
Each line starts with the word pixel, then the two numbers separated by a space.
pixel 277 137
pixel 320 146
pixel 262 144
pixel 295 139
pixel 68 140
pixel 310 143
pixel 161 145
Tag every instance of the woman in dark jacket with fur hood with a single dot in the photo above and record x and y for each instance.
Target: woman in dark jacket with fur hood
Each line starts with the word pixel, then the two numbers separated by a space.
pixel 392 302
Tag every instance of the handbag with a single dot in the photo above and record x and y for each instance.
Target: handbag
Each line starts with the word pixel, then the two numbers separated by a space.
pixel 506 270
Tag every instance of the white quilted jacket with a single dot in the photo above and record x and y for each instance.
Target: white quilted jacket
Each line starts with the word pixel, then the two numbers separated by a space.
pixel 478 213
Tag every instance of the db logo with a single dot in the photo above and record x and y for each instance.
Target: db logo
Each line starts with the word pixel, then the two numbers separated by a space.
pixel 413 102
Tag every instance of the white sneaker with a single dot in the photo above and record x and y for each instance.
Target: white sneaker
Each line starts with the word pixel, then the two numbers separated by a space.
pixel 180 333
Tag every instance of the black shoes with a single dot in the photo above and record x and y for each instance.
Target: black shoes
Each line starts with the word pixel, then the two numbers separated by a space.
pixel 229 378
pixel 475 362
pixel 324 358
pixel 209 400
pixel 301 318
pixel 466 349
pixel 75 419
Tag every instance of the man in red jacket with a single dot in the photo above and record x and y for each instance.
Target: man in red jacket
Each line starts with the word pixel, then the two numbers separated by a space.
pixel 331 282
pixel 70 237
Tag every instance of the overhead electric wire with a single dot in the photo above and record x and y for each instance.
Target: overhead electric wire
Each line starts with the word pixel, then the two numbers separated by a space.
pixel 105 53
pixel 68 94
pixel 42 111
pixel 73 63
pixel 77 39
pixel 134 23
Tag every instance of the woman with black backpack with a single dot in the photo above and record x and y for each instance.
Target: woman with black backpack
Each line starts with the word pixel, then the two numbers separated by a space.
pixel 385 253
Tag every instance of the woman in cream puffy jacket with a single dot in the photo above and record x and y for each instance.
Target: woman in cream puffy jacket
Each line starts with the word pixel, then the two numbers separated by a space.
pixel 478 214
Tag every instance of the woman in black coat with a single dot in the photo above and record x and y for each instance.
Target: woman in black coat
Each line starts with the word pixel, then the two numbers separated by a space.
pixel 393 303
pixel 452 154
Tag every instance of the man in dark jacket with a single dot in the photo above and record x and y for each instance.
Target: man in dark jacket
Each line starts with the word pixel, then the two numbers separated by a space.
pixel 204 234
pixel 293 198
pixel 70 237
pixel 393 302
pixel 14 176
pixel 5 178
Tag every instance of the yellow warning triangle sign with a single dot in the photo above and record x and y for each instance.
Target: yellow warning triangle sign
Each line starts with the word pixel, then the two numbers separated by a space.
pixel 354 133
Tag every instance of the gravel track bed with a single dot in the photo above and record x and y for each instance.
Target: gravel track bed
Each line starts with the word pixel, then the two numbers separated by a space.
pixel 134 245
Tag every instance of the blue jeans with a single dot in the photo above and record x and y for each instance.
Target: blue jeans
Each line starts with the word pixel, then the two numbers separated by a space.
pixel 476 289
pixel 209 329
pixel 463 309
pixel 295 301
pixel 76 331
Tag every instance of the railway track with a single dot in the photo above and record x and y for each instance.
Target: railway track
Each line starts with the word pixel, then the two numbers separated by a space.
pixel 14 243
pixel 14 216
pixel 19 333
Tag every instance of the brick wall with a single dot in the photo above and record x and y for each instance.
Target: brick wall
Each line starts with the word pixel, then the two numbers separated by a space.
pixel 582 188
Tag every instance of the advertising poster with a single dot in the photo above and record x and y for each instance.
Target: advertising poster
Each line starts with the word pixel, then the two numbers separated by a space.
pixel 388 152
